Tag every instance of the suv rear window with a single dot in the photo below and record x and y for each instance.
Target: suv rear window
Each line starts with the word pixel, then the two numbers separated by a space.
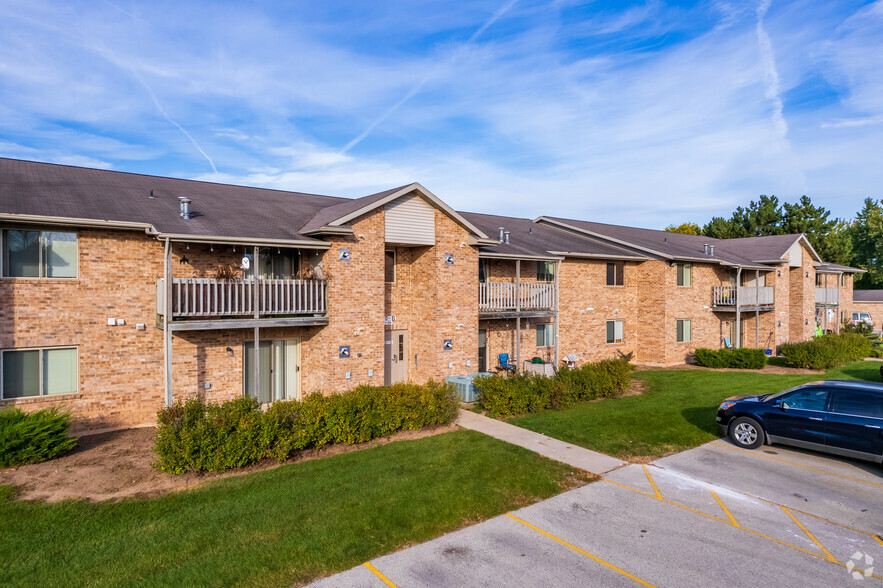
pixel 858 403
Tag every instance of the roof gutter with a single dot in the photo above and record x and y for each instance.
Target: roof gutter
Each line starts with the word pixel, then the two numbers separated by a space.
pixel 77 222
pixel 183 238
pixel 492 255
pixel 599 255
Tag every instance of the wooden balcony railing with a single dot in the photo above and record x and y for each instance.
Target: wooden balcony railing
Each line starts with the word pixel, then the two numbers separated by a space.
pixel 743 296
pixel 829 296
pixel 211 297
pixel 502 297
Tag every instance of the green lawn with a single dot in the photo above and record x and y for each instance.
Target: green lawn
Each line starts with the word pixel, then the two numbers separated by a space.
pixel 675 413
pixel 278 527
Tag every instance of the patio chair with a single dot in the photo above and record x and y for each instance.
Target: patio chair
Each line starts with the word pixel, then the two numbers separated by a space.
pixel 727 343
pixel 504 363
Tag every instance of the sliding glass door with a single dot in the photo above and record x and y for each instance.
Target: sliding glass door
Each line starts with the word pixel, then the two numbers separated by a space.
pixel 279 370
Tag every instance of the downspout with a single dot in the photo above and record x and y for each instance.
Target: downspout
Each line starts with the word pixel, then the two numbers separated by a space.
pixel 757 312
pixel 738 342
pixel 167 308
pixel 557 310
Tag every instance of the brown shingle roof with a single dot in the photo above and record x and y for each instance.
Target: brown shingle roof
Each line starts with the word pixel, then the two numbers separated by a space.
pixel 867 295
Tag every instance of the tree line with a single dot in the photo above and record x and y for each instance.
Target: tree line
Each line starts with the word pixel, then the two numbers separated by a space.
pixel 857 243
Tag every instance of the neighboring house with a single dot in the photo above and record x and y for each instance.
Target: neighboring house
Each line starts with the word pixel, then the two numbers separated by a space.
pixel 122 292
pixel 870 301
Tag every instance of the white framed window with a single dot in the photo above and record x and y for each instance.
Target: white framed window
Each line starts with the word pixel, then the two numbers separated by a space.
pixel 546 335
pixel 389 266
pixel 614 331
pixel 50 371
pixel 842 280
pixel 39 254
pixel 616 273
pixel 685 274
pixel 279 363
pixel 545 271
pixel 685 330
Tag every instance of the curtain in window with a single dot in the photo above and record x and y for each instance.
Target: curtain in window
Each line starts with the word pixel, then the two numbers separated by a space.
pixel 21 254
pixel 59 255
pixel 59 371
pixel 21 374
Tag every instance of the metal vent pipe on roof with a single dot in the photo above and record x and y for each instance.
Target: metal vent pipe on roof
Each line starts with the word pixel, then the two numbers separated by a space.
pixel 506 237
pixel 502 230
pixel 711 249
pixel 185 207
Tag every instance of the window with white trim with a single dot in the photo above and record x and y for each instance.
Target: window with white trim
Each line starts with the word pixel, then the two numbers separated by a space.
pixel 546 335
pixel 614 331
pixel 39 254
pixel 685 330
pixel 685 274
pixel 26 373
pixel 545 271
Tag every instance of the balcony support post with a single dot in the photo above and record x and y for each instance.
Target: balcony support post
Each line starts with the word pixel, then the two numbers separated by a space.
pixel 738 342
pixel 757 312
pixel 518 318
pixel 256 362
pixel 166 319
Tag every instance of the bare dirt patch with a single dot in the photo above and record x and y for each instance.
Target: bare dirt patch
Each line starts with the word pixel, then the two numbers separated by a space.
pixel 769 369
pixel 116 465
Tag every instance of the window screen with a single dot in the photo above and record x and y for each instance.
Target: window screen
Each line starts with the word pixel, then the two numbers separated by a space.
pixel 614 332
pixel 685 274
pixel 685 330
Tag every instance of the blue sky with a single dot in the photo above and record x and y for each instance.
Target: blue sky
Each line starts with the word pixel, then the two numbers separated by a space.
pixel 645 113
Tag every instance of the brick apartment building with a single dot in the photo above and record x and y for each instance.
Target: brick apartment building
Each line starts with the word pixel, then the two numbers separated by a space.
pixel 122 292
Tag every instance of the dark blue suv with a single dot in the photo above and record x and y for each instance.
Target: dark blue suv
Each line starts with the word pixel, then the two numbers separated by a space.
pixel 837 416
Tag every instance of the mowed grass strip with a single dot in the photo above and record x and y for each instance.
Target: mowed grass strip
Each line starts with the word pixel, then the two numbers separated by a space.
pixel 675 413
pixel 280 527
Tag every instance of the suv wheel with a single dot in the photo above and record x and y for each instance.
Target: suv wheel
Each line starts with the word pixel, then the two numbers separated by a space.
pixel 747 433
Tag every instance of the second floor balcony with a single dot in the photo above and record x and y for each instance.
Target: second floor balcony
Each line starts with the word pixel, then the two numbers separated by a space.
pixel 213 298
pixel 515 298
pixel 743 297
pixel 827 296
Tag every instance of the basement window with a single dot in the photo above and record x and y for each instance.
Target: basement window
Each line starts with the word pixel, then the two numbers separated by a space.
pixel 39 254
pixel 38 372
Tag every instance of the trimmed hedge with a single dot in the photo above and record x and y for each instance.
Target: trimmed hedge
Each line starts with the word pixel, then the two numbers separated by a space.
pixel 197 436
pixel 33 437
pixel 827 351
pixel 524 393
pixel 744 358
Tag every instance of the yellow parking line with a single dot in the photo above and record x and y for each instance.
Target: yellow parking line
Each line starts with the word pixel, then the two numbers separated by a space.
pixel 879 539
pixel 377 573
pixel 796 548
pixel 652 483
pixel 724 507
pixel 810 535
pixel 578 550
pixel 798 465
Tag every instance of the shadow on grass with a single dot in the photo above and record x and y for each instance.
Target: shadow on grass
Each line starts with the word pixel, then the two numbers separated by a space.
pixel 863 371
pixel 702 417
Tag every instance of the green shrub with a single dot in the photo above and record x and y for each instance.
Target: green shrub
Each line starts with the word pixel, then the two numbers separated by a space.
pixel 742 358
pixel 32 437
pixel 199 436
pixel 526 393
pixel 827 351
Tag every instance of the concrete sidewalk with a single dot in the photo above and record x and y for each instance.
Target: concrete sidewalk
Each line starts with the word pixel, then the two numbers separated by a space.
pixel 578 457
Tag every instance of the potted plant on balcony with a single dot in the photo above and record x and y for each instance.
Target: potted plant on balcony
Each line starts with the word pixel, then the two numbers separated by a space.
pixel 225 272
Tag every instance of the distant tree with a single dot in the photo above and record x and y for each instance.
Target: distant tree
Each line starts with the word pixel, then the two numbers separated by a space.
pixel 829 237
pixel 761 218
pixel 721 228
pixel 685 228
pixel 866 232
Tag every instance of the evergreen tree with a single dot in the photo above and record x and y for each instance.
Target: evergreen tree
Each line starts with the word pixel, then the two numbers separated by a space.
pixel 867 245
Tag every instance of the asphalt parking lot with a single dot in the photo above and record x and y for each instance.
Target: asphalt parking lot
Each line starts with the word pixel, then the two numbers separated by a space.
pixel 715 514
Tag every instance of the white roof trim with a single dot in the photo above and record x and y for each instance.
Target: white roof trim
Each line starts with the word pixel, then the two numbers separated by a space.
pixel 415 187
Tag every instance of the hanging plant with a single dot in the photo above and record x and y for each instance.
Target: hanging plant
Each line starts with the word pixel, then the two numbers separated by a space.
pixel 226 272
